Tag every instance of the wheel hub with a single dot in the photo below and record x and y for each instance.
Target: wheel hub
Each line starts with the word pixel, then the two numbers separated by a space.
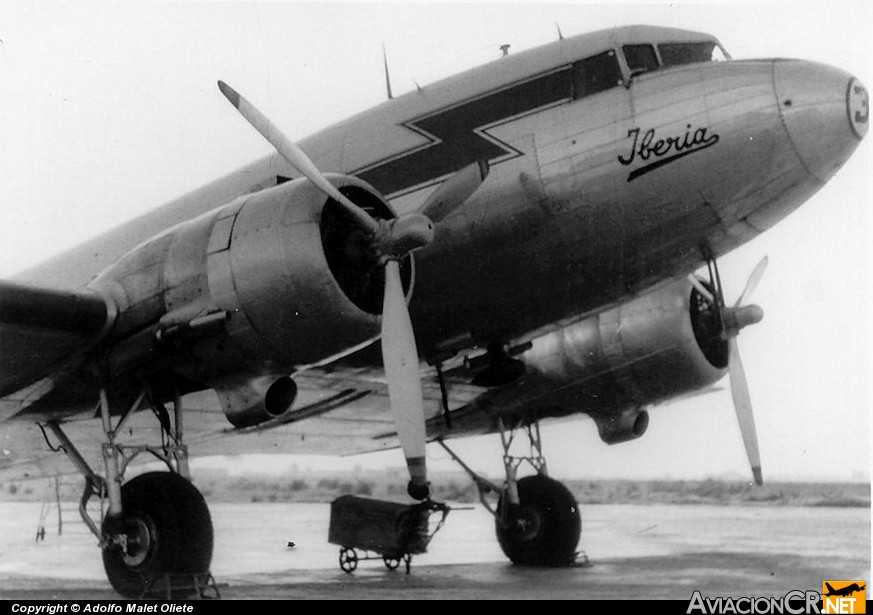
pixel 526 523
pixel 139 537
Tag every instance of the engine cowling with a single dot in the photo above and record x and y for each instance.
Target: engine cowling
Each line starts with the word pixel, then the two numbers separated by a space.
pixel 657 347
pixel 267 283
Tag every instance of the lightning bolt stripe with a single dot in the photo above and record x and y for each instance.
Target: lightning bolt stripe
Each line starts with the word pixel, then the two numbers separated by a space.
pixel 458 135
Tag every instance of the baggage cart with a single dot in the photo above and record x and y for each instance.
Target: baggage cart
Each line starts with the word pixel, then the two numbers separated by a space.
pixel 368 529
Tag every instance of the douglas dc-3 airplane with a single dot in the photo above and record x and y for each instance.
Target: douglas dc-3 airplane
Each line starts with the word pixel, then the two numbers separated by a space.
pixel 848 590
pixel 522 238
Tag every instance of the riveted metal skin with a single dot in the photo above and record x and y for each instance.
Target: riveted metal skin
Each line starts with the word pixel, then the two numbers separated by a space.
pixel 614 366
pixel 255 271
pixel 594 199
pixel 648 346
pixel 627 358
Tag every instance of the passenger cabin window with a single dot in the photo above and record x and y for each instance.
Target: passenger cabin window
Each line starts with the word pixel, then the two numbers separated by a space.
pixel 640 58
pixel 674 54
pixel 595 74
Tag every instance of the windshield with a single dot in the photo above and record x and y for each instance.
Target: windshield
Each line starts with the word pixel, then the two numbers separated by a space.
pixel 640 58
pixel 674 54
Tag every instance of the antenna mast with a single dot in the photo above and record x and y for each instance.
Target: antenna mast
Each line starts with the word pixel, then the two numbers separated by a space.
pixel 387 75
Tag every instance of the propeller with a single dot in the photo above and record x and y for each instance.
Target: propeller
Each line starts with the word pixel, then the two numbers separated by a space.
pixel 392 240
pixel 455 191
pixel 732 320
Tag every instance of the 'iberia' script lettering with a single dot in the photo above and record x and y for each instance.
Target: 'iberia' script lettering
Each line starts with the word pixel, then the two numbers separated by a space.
pixel 658 152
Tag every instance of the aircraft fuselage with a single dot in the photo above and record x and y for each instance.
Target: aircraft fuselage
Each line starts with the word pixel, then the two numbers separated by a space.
pixel 598 190
pixel 624 189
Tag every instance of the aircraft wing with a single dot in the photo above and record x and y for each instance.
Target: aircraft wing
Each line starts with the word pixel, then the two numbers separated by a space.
pixel 42 329
pixel 342 409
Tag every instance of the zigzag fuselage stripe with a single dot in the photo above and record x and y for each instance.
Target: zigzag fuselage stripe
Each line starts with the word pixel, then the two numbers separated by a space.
pixel 456 134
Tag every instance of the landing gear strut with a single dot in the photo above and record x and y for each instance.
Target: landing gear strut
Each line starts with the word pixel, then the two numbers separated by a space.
pixel 156 534
pixel 536 519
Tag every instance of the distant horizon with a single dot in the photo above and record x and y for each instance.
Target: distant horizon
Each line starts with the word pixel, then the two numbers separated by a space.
pixel 253 466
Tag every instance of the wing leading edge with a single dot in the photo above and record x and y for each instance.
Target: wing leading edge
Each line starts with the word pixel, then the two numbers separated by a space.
pixel 41 329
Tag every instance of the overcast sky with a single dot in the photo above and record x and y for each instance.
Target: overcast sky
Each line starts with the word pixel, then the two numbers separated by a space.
pixel 108 109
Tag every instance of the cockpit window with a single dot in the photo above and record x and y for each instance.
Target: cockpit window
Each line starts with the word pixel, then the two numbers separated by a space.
pixel 595 74
pixel 674 54
pixel 640 58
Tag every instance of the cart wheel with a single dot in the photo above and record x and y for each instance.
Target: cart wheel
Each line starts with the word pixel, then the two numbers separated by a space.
pixel 348 560
pixel 391 563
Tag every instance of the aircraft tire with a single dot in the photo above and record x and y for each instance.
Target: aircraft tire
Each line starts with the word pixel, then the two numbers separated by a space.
pixel 170 533
pixel 545 527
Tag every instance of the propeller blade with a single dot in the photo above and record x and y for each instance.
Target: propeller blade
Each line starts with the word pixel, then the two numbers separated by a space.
pixel 743 408
pixel 752 282
pixel 295 156
pixel 400 359
pixel 453 192
pixel 394 239
pixel 701 288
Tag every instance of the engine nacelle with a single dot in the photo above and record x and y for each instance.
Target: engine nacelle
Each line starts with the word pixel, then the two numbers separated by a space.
pixel 656 347
pixel 271 281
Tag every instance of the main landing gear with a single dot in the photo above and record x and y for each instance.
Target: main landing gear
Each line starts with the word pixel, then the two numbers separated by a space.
pixel 536 518
pixel 156 533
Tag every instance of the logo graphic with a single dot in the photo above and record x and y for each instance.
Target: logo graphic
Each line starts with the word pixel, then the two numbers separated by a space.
pixel 859 107
pixel 656 151
pixel 844 597
pixel 455 136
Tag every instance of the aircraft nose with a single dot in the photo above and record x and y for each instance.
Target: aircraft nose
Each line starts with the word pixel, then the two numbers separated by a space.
pixel 825 111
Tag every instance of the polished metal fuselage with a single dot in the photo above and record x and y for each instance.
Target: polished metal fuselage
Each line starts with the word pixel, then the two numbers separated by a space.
pixel 604 197
pixel 568 229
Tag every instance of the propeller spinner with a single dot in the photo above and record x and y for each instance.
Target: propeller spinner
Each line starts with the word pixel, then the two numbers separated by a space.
pixel 732 320
pixel 392 240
